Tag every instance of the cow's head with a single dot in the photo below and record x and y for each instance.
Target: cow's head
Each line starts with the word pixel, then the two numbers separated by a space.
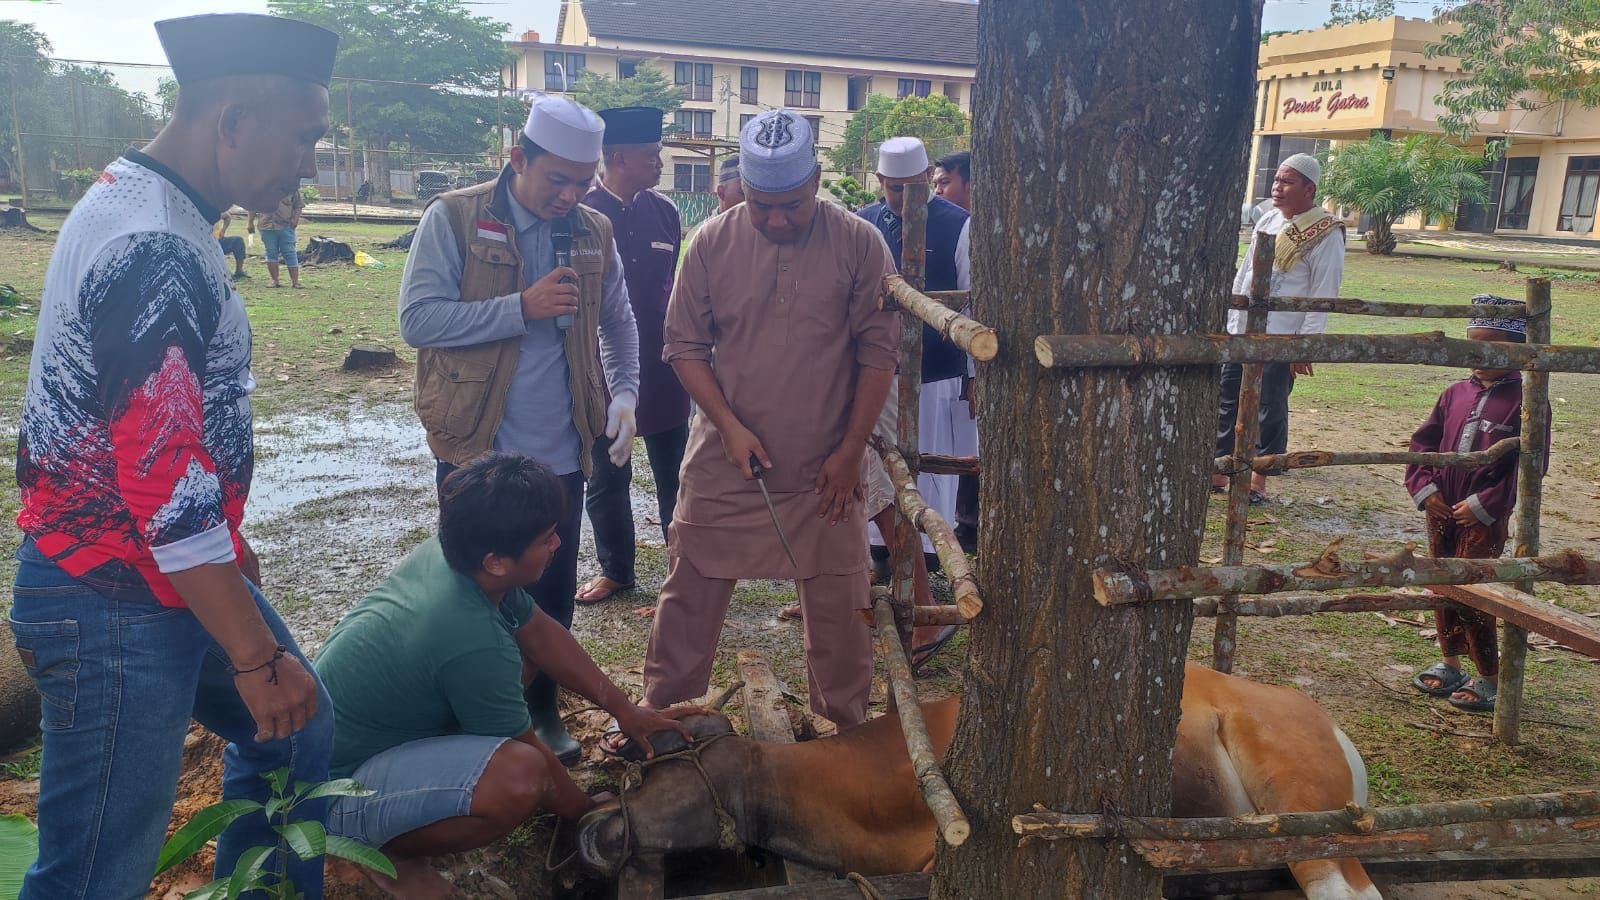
pixel 672 807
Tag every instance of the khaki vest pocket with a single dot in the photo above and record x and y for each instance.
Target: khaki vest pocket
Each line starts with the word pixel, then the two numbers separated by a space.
pixel 453 392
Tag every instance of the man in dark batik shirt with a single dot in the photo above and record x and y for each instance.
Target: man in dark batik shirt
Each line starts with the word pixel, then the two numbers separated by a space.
pixel 648 234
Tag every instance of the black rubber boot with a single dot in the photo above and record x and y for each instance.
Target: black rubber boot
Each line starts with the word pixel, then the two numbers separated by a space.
pixel 541 697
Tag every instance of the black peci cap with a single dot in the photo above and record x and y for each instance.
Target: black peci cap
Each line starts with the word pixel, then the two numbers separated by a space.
pixel 632 124
pixel 200 48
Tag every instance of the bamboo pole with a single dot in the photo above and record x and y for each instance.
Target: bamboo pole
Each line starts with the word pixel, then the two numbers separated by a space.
pixel 953 826
pixel 1530 495
pixel 1356 307
pixel 1353 819
pixel 1068 351
pixel 1329 573
pixel 951 557
pixel 1246 432
pixel 913 260
pixel 974 337
pixel 939 464
pixel 1313 459
pixel 1305 604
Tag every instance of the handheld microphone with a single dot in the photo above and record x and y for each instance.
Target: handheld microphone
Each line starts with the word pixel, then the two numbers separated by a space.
pixel 561 239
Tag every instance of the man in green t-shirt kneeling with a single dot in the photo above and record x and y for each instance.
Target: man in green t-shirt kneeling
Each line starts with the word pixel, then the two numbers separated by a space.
pixel 427 673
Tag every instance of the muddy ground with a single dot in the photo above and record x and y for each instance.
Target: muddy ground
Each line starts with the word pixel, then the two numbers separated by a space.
pixel 344 487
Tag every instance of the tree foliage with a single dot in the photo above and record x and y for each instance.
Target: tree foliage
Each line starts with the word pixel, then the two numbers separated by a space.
pixel 1348 12
pixel 1389 180
pixel 1519 54
pixel 433 69
pixel 647 87
pixel 929 118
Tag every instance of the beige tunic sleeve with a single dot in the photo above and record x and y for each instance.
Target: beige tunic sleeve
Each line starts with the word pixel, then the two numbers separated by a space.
pixel 877 338
pixel 689 332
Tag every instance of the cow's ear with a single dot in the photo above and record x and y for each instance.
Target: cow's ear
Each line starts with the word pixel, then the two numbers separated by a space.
pixel 708 725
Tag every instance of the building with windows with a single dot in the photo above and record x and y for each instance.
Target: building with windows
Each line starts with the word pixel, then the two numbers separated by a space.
pixel 735 58
pixel 1319 88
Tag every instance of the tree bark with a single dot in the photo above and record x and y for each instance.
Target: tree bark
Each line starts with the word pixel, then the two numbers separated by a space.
pixel 377 169
pixel 1110 141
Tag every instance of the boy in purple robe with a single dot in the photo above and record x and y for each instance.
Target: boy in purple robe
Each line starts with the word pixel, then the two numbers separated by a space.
pixel 1468 510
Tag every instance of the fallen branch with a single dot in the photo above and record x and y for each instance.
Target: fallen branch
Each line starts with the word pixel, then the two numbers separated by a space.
pixel 942 803
pixel 1274 839
pixel 951 557
pixel 1305 604
pixel 1070 351
pixel 974 337
pixel 1357 307
pixel 1313 459
pixel 1330 573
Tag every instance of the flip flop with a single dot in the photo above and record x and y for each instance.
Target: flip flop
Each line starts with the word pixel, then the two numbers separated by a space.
pixel 921 655
pixel 594 584
pixel 1450 679
pixel 791 614
pixel 1483 694
pixel 1257 498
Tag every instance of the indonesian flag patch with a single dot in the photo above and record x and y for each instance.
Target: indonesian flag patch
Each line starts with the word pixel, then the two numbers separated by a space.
pixel 491 231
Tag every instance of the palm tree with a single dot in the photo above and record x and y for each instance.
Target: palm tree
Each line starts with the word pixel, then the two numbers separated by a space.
pixel 1389 180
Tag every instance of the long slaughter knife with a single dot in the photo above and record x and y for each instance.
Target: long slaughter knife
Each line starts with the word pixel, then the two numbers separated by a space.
pixel 755 468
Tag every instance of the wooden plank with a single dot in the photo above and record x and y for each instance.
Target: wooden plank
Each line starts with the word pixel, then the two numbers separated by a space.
pixel 1526 611
pixel 768 716
pixel 1431 869
pixel 889 887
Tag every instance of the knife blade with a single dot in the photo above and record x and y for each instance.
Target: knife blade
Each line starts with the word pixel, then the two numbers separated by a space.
pixel 755 469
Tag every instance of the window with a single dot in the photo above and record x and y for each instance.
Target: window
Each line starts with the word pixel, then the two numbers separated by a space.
pixel 691 177
pixel 627 68
pixel 816 127
pixel 744 119
pixel 802 89
pixel 694 76
pixel 554 62
pixel 920 87
pixel 1578 198
pixel 749 84
pixel 952 89
pixel 1516 200
pixel 692 123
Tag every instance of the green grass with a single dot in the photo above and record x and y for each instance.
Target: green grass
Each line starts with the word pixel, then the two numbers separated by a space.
pixel 24 767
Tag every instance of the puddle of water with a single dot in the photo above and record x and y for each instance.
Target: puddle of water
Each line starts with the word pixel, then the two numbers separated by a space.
pixel 317 457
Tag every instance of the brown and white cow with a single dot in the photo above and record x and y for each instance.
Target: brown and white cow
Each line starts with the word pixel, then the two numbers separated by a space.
pixel 850 803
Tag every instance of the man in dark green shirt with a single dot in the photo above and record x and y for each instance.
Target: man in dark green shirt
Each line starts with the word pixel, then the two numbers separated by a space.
pixel 427 673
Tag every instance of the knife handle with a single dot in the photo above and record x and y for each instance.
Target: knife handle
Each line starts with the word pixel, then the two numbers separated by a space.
pixel 755 465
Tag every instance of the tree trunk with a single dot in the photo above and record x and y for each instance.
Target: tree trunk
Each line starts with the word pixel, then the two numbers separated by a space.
pixel 1383 241
pixel 1110 149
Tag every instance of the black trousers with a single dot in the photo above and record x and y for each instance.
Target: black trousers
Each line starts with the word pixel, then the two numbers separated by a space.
pixel 611 509
pixel 1277 381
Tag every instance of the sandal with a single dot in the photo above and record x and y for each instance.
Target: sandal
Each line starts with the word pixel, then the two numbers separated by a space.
pixel 921 655
pixel 791 614
pixel 1259 498
pixel 1449 677
pixel 1483 692
pixel 606 586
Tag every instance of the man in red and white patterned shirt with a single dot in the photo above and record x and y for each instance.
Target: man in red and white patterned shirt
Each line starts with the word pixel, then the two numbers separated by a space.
pixel 135 600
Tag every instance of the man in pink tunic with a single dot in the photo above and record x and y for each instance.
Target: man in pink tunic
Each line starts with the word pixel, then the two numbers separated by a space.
pixel 774 329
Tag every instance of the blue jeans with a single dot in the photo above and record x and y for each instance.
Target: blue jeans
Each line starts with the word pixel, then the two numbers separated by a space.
pixel 279 242
pixel 120 680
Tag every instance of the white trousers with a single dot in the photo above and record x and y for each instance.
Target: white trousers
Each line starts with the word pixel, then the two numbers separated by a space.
pixel 945 426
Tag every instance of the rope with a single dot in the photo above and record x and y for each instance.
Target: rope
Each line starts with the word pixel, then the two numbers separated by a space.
pixel 868 892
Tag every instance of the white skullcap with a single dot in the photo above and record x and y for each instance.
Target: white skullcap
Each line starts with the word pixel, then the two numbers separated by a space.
pixel 902 157
pixel 566 129
pixel 777 152
pixel 1306 165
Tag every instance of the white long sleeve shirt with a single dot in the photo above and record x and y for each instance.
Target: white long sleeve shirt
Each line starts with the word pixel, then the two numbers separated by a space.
pixel 1316 274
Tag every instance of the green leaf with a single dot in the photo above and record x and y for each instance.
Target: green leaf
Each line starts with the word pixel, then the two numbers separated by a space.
pixel 216 890
pixel 339 787
pixel 279 779
pixel 206 824
pixel 307 839
pixel 19 846
pixel 247 872
pixel 359 853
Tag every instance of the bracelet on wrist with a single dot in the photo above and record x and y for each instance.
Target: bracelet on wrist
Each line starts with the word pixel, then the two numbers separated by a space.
pixel 271 665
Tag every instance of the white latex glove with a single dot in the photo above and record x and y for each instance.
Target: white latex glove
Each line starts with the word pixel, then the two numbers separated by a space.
pixel 621 424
